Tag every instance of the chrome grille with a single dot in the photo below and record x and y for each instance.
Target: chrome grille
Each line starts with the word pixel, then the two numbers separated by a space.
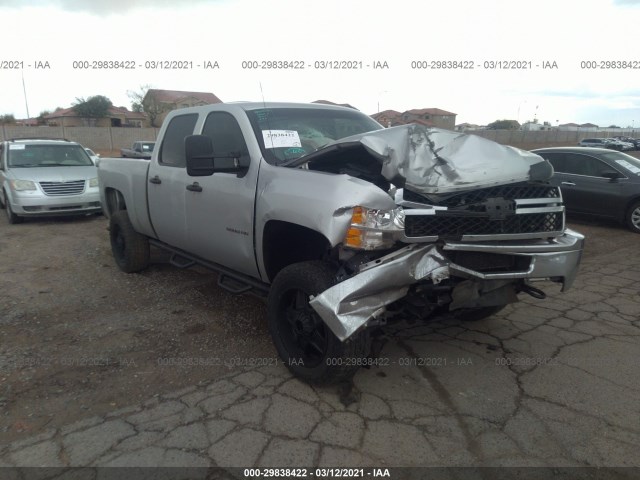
pixel 518 210
pixel 73 187
pixel 453 226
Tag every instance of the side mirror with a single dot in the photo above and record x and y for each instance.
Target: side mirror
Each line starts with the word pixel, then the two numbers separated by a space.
pixel 202 161
pixel 611 174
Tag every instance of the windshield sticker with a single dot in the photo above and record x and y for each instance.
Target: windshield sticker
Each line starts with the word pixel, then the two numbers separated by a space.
pixel 16 146
pixel 281 138
pixel 629 166
pixel 294 152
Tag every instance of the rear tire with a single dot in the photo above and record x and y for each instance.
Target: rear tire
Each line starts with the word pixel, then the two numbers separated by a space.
pixel 308 347
pixel 633 217
pixel 130 248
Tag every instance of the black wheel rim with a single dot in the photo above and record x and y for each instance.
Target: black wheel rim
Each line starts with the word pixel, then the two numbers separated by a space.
pixel 303 333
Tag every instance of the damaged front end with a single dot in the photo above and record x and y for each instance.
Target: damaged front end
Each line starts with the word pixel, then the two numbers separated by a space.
pixel 474 223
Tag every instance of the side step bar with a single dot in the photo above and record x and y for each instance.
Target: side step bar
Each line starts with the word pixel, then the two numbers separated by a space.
pixel 234 282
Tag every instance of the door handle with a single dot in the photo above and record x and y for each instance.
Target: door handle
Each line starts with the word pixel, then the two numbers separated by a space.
pixel 570 184
pixel 194 187
pixel 155 180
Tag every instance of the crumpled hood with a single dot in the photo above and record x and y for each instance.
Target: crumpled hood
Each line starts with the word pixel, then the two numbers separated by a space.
pixel 431 160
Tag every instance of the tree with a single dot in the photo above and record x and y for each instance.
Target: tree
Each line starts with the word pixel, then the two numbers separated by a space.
pixel 7 119
pixel 137 97
pixel 41 120
pixel 93 107
pixel 141 103
pixel 504 125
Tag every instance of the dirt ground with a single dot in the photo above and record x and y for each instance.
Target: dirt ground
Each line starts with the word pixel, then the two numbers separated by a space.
pixel 80 338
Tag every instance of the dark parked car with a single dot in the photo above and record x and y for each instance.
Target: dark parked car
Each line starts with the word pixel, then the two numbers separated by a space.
pixel 634 141
pixel 598 182
pixel 611 143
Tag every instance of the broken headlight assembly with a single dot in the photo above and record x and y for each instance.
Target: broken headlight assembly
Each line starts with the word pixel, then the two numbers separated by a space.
pixel 373 229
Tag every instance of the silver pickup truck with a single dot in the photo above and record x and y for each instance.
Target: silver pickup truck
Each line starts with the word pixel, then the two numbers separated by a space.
pixel 138 150
pixel 344 226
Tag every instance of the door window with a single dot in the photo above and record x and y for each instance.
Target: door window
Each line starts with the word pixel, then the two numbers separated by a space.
pixel 172 150
pixel 226 135
pixel 577 164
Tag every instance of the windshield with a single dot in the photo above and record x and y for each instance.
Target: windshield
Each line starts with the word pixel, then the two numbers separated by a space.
pixel 24 156
pixel 288 133
pixel 625 161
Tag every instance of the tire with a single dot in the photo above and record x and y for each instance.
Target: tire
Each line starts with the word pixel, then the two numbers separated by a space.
pixel 12 217
pixel 130 249
pixel 633 217
pixel 475 314
pixel 304 342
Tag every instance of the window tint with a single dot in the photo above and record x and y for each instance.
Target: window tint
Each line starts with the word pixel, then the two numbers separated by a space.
pixel 585 165
pixel 172 150
pixel 577 164
pixel 226 135
pixel 557 160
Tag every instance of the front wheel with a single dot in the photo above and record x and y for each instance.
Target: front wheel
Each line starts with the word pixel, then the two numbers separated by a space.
pixel 130 248
pixel 633 217
pixel 11 217
pixel 304 342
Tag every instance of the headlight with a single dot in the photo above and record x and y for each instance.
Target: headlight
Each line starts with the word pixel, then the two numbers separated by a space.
pixel 374 229
pixel 93 182
pixel 19 185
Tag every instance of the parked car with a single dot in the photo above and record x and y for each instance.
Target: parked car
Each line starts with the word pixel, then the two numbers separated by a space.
pixel 342 224
pixel 619 145
pixel 634 141
pixel 597 182
pixel 609 143
pixel 44 177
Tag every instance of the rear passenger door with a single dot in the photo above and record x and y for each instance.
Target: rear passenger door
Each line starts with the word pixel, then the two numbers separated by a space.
pixel 167 181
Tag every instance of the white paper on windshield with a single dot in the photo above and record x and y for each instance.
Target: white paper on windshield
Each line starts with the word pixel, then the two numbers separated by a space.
pixel 629 166
pixel 281 138
pixel 16 146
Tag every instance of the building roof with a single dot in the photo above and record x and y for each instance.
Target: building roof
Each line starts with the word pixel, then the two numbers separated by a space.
pixel 569 125
pixel 387 114
pixel 588 125
pixel 112 112
pixel 430 111
pixel 174 96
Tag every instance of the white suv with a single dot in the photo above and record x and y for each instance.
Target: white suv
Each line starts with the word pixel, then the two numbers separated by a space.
pixel 44 177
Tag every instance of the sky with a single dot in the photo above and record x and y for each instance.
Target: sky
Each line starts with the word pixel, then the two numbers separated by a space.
pixel 47 46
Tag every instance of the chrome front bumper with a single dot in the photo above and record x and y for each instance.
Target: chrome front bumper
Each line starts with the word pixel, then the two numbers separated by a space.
pixel 349 305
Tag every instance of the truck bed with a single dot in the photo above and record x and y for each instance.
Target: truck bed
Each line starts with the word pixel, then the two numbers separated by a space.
pixel 129 177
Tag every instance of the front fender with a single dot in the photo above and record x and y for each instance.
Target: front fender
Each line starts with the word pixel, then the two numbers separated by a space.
pixel 322 202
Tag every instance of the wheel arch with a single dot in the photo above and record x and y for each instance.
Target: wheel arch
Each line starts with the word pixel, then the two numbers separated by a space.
pixel 114 201
pixel 285 243
pixel 627 209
